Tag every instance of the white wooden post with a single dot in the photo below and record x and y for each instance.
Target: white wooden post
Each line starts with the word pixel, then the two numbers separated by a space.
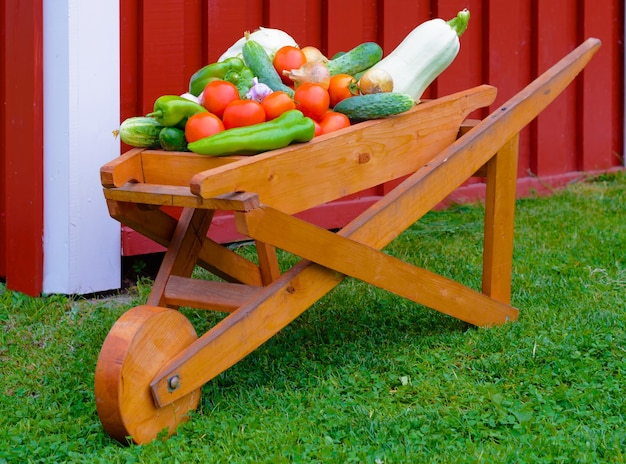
pixel 81 109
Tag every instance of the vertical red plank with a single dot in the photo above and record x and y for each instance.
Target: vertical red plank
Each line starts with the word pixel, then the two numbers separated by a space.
pixel 617 85
pixel 397 19
pixel 227 22
pixel 344 23
pixel 596 109
pixel 507 58
pixel 145 76
pixel 23 24
pixel 301 20
pixel 554 150
pixel 129 59
pixel 467 69
pixel 162 65
pixel 195 51
pixel 3 160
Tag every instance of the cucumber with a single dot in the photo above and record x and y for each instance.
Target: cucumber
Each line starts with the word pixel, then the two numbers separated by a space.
pixel 374 106
pixel 172 139
pixel 256 58
pixel 361 57
pixel 140 131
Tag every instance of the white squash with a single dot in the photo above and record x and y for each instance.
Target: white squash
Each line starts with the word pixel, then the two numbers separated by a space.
pixel 424 54
pixel 270 39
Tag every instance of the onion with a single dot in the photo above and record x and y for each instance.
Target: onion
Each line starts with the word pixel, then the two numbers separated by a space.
pixel 314 71
pixel 376 80
pixel 313 54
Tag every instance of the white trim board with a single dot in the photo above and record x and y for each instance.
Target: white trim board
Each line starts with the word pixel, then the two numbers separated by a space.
pixel 82 244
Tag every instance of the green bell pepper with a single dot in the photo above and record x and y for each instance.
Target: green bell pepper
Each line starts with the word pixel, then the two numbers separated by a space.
pixel 172 110
pixel 231 69
pixel 291 126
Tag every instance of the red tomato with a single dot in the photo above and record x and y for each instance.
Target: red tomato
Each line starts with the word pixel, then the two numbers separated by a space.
pixel 240 113
pixel 341 86
pixel 333 121
pixel 202 125
pixel 217 95
pixel 312 100
pixel 276 103
pixel 286 59
pixel 318 128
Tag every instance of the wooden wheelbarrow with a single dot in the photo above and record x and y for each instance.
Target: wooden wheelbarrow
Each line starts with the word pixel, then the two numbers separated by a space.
pixel 152 364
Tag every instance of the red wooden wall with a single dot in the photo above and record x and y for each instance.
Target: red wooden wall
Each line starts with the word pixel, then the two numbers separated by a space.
pixel 163 42
pixel 21 144
pixel 507 44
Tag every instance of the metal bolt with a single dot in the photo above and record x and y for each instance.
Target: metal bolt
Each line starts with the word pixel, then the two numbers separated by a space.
pixel 173 383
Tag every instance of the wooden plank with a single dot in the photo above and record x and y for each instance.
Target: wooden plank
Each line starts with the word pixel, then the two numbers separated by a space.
pixel 301 20
pixel 268 262
pixel 377 268
pixel 23 173
pixel 123 169
pixel 130 46
pixel 162 69
pixel 467 68
pixel 596 109
pixel 159 227
pixel 227 21
pixel 183 251
pixel 177 168
pixel 342 34
pixel 3 151
pixel 194 50
pixel 204 294
pixel 366 153
pixel 555 142
pixel 397 18
pixel 499 222
pixel 618 84
pixel 158 167
pixel 507 57
pixel 228 265
pixel 180 197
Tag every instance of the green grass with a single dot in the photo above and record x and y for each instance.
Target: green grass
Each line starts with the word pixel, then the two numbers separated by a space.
pixel 365 376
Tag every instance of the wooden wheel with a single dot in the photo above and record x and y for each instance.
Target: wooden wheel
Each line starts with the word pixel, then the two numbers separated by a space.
pixel 137 346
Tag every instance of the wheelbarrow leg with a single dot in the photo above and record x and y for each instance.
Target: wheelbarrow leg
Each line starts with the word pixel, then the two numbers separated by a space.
pixel 182 254
pixel 499 222
pixel 373 266
pixel 159 227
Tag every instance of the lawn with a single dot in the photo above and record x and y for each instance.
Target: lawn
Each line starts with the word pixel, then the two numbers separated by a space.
pixel 365 376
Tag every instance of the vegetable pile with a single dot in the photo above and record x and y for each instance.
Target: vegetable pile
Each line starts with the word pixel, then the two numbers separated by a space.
pixel 265 92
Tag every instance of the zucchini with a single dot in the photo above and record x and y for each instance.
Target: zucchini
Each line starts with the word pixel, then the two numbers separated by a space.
pixel 140 131
pixel 374 105
pixel 361 57
pixel 257 59
pixel 424 54
pixel 172 139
